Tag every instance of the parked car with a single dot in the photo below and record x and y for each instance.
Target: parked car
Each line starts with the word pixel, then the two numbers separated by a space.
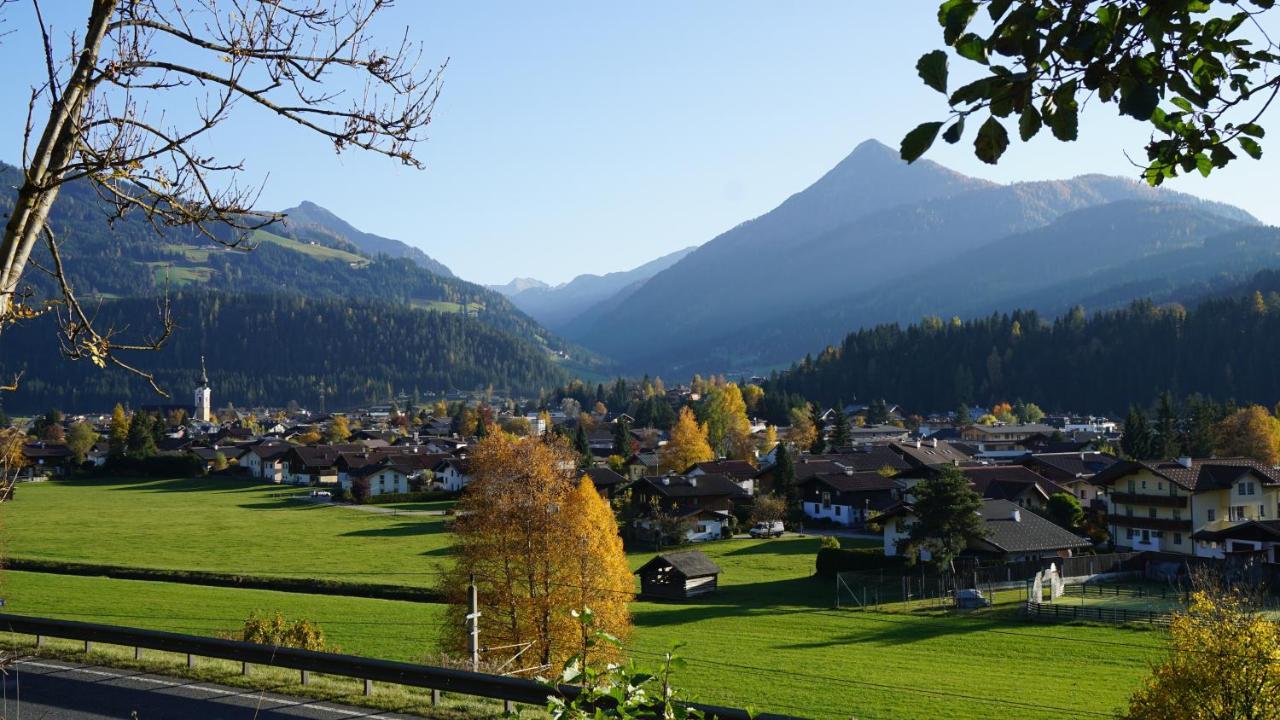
pixel 766 529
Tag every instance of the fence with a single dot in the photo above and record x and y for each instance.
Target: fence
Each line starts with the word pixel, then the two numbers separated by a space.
pixel 437 679
pixel 1066 613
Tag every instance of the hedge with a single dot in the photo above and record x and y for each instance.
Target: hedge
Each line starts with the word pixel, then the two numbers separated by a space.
pixel 838 560
pixel 428 496
pixel 310 586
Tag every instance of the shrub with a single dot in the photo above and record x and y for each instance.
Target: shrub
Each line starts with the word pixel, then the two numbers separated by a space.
pixel 829 543
pixel 277 631
pixel 838 560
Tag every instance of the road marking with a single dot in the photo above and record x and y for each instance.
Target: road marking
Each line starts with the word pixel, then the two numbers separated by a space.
pixel 283 701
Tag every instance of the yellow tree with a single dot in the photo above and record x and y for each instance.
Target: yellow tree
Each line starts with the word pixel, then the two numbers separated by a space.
pixel 1250 432
pixel 802 434
pixel 770 438
pixel 687 443
pixel 1223 664
pixel 752 394
pixel 725 413
pixel 12 460
pixel 539 548
pixel 339 430
pixel 118 436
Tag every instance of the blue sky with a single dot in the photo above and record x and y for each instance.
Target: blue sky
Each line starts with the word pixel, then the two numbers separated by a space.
pixel 588 137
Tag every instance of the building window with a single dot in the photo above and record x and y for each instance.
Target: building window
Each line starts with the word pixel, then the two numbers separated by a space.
pixel 1144 484
pixel 1235 513
pixel 837 511
pixel 1209 514
pixel 1177 513
pixel 1262 511
pixel 1128 533
pixel 1160 485
pixel 1128 510
pixel 1131 488
pixel 1151 512
pixel 1177 538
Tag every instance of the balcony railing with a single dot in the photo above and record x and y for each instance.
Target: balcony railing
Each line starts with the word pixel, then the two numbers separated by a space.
pixel 1169 501
pixel 1150 523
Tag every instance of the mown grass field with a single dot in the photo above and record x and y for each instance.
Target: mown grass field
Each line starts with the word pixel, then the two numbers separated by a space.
pixel 219 525
pixel 769 639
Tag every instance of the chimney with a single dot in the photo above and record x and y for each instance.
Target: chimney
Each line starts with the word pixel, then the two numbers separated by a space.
pixel 666 480
pixel 693 482
pixel 1185 462
pixel 933 442
pixel 917 443
pixel 1016 515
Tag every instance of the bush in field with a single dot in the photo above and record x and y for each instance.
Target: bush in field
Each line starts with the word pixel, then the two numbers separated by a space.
pixel 278 632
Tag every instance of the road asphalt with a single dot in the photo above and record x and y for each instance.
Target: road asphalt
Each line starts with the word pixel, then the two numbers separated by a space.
pixel 39 689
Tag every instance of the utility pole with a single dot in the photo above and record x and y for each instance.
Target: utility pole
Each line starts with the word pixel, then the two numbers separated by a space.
pixel 473 618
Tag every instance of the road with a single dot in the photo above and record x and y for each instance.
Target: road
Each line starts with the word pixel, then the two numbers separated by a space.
pixel 56 690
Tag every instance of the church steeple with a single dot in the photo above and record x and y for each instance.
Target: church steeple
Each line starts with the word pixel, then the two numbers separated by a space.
pixel 203 396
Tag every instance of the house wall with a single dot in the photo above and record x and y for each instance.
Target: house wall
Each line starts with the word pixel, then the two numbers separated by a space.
pixel 896 529
pixel 1131 517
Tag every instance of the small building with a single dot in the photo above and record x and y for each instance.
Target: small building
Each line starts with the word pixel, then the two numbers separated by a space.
pixel 678 575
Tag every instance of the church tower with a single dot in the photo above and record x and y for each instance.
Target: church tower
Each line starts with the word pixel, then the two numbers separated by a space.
pixel 203 395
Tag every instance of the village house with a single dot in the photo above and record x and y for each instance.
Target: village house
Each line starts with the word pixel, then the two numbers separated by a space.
pixel 740 471
pixel 849 498
pixel 703 502
pixel 1074 471
pixel 1012 533
pixel 266 461
pixel 607 482
pixel 452 474
pixel 1201 507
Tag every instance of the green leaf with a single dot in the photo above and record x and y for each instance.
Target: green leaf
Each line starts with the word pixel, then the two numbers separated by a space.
pixel 991 142
pixel 1204 164
pixel 1065 121
pixel 918 141
pixel 932 67
pixel 972 47
pixel 1138 99
pixel 1251 147
pixel 1183 103
pixel 1028 123
pixel 954 17
pixel 953 133
pixel 997 8
pixel 1253 129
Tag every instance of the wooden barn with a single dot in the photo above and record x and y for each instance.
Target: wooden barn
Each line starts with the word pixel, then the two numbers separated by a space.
pixel 678 575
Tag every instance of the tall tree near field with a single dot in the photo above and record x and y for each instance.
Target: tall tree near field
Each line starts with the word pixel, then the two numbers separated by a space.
pixel 802 432
pixel 686 445
pixel 118 435
pixel 1135 439
pixel 725 414
pixel 540 544
pixel 1250 432
pixel 81 440
pixel 339 430
pixel 947 520
pixel 752 394
pixel 819 430
pixel 622 437
pixel 582 444
pixel 841 436
pixel 1201 74
pixel 140 443
pixel 1167 436
pixel 1223 664
pixel 784 478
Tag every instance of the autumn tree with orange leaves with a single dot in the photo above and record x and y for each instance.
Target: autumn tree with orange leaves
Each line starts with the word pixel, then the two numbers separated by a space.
pixel 541 544
pixel 687 445
pixel 1250 432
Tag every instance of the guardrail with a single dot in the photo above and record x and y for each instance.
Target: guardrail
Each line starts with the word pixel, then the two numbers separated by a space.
pixel 437 679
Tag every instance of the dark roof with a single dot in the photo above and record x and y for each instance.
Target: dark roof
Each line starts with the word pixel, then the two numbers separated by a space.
pixel 871 457
pixel 926 454
pixel 1007 481
pixel 676 486
pixel 691 564
pixel 270 451
pixel 46 450
pixel 208 454
pixel 1264 530
pixel 737 469
pixel 322 456
pixel 1073 464
pixel 1029 533
pixel 604 477
pixel 855 481
pixel 1201 476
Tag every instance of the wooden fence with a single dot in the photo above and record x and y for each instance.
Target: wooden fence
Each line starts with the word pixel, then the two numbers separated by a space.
pixel 1050 612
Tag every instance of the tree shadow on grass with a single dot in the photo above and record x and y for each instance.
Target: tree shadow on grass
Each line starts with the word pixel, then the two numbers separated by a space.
pixel 281 504
pixel 442 551
pixel 403 529
pixel 183 485
pixel 891 629
pixel 800 546
pixel 776 597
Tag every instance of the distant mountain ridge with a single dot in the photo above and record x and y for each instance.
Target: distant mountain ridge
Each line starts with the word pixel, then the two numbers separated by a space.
pixel 863 244
pixel 559 306
pixel 310 222
pixel 518 285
